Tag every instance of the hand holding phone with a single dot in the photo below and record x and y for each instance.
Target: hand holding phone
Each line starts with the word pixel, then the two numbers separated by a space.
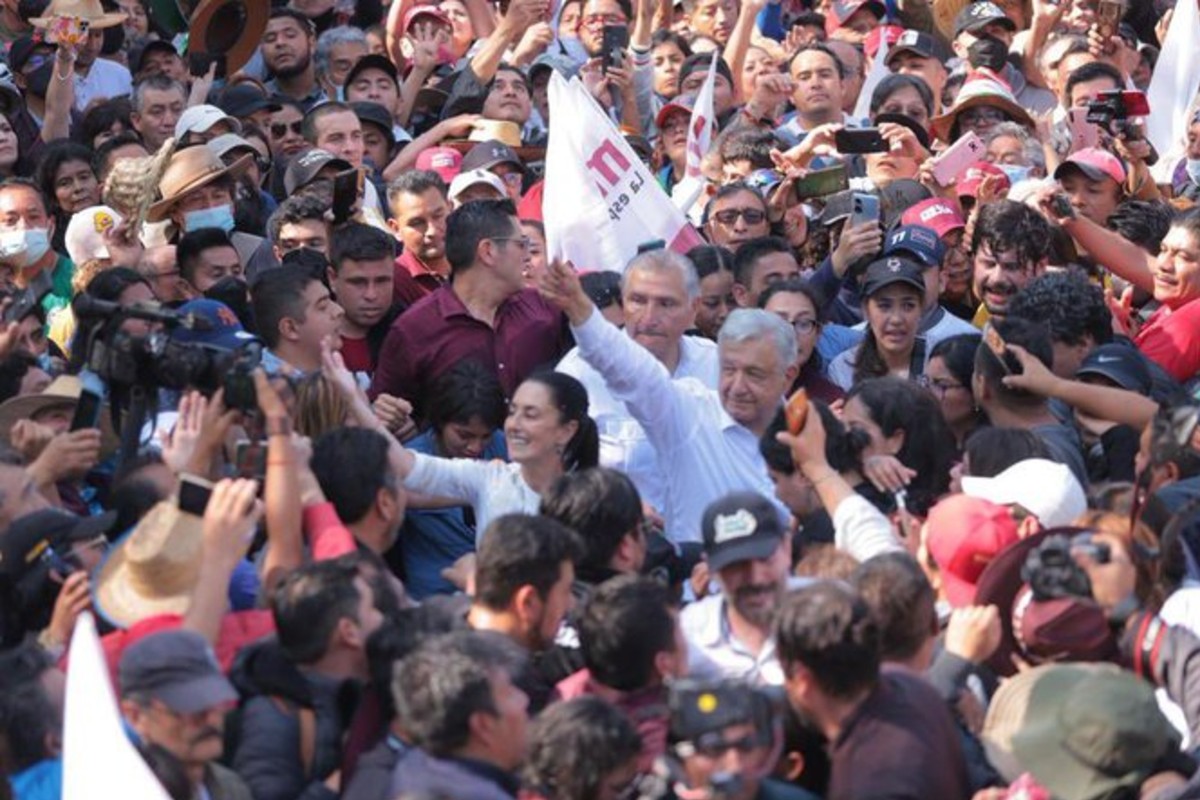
pixel 347 187
pixel 796 412
pixel 850 141
pixel 864 209
pixel 194 493
pixel 68 31
pixel 957 157
pixel 614 42
pixel 822 182
pixel 87 411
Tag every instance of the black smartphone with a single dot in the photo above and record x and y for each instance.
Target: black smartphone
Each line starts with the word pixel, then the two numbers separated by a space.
pixel 198 64
pixel 615 41
pixel 346 188
pixel 860 140
pixel 87 411
pixel 193 494
pixel 822 182
pixel 1060 204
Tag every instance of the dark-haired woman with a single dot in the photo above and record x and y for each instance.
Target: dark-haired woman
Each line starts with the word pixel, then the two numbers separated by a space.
pixel 714 267
pixel 948 376
pixel 796 302
pixel 892 308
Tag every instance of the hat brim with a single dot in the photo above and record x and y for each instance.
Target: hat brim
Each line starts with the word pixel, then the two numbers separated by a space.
pixel 753 548
pixel 160 210
pixel 944 124
pixel 117 599
pixel 1087 170
pixel 883 283
pixel 90 527
pixel 1122 377
pixel 198 694
pixel 975 26
pixel 251 21
pixel 109 20
pixel 906 48
pixel 25 406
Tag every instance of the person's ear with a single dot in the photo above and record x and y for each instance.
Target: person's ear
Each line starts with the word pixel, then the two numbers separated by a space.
pixel 330 275
pixel 288 329
pixel 527 605
pixel 895 442
pixel 386 505
pixel 791 766
pixel 350 632
pixel 741 295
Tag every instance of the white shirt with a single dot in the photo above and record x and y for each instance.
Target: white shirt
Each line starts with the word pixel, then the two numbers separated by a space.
pixel 492 488
pixel 623 443
pixel 105 79
pixel 703 454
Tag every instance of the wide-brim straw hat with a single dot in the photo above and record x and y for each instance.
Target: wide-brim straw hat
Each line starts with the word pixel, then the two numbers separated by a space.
pixel 90 10
pixel 192 168
pixel 62 391
pixel 981 89
pixel 153 569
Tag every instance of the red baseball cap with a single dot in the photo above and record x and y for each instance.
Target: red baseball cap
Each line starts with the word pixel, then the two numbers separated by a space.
pixel 433 12
pixel 889 33
pixel 973 175
pixel 1094 163
pixel 682 103
pixel 442 160
pixel 963 535
pixel 934 213
pixel 842 10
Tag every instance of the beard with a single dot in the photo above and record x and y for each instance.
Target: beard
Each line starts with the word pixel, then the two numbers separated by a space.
pixel 757 614
pixel 296 69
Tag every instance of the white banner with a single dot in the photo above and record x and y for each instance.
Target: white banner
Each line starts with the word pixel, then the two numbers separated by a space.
pixel 600 201
pixel 686 192
pixel 1174 83
pixel 878 71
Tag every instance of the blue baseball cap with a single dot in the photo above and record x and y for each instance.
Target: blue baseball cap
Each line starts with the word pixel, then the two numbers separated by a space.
pixel 215 324
pixel 917 241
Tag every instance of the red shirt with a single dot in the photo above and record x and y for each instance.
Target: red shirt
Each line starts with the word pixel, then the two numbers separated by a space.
pixel 357 355
pixel 438 332
pixel 1171 338
pixel 413 280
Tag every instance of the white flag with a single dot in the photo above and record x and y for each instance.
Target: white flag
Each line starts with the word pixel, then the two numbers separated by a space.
pixel 600 201
pixel 686 192
pixel 877 73
pixel 99 760
pixel 1174 83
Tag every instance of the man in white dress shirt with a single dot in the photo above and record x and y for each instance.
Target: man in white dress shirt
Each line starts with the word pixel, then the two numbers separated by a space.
pixel 706 441
pixel 659 293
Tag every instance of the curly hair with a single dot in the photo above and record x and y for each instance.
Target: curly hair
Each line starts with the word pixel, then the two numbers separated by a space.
pixel 1066 303
pixel 1008 225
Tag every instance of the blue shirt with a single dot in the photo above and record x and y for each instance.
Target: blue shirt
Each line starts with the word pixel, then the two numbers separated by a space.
pixel 434 538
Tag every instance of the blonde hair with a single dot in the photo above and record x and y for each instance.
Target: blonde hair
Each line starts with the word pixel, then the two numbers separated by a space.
pixel 320 406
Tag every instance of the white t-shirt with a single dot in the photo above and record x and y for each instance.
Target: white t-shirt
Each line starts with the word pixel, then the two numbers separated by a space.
pixel 104 80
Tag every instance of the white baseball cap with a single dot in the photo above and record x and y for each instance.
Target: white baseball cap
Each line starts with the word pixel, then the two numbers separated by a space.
pixel 84 238
pixel 476 177
pixel 1046 489
pixel 198 119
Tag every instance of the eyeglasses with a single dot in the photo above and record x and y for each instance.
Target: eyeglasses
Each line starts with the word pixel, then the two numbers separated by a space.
pixel 593 20
pixel 523 242
pixel 280 129
pixel 938 388
pixel 982 115
pixel 803 325
pixel 729 216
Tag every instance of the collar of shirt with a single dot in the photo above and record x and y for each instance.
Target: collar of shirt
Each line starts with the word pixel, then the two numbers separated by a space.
pixel 308 101
pixel 416 267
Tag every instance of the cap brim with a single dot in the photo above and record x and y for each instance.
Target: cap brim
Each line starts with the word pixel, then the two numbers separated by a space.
pixel 1115 372
pixel 753 548
pixel 941 126
pixel 891 280
pixel 199 694
pixel 91 527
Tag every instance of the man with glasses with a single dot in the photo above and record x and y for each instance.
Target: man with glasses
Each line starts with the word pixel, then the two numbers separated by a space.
pixel 735 215
pixel 596 14
pixel 485 314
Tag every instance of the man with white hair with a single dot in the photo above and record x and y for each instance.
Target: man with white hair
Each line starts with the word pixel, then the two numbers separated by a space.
pixel 659 293
pixel 706 440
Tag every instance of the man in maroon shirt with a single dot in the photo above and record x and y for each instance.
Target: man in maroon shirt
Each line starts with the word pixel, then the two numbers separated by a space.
pixel 419 210
pixel 361 278
pixel 486 314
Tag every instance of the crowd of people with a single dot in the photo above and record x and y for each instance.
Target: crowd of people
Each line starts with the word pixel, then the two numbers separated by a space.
pixel 371 495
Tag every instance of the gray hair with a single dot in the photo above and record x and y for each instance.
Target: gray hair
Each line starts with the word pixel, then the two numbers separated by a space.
pixel 665 261
pixel 747 324
pixel 157 82
pixel 344 34
pixel 1031 146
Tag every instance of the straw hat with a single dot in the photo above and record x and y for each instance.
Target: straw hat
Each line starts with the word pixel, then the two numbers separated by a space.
pixel 62 391
pixel 153 569
pixel 90 10
pixel 486 130
pixel 192 168
pixel 982 88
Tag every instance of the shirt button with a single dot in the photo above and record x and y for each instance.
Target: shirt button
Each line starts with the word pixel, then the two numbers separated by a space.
pixel 501 366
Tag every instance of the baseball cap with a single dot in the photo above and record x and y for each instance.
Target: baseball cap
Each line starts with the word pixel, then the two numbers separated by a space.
pixel 445 161
pixel 976 15
pixel 22 48
pixel 244 99
pixel 884 272
pixel 372 61
pixel 434 13
pixel 842 10
pixel 1094 163
pixel 491 153
pixel 917 129
pixel 1121 364
pixel 228 142
pixel 917 241
pixel 1044 488
pixel 154 45
pixel 935 214
pixel 741 526
pixel 975 174
pixel 559 62
pixel 220 326
pixel 303 168
pixel 377 115
pixel 682 104
pixel 476 177
pixel 899 196
pixel 963 535
pixel 918 43
pixel 178 668
pixel 699 62
pixel 30 538
pixel 84 238
pixel 198 119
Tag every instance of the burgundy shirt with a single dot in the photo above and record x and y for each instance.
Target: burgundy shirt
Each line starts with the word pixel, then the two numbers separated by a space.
pixel 438 332
pixel 413 280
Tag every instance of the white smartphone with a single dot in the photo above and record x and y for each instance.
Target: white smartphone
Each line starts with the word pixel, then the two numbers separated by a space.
pixel 957 157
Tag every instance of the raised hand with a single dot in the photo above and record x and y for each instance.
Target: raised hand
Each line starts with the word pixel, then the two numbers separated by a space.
pixel 179 444
pixel 560 286
pixel 232 513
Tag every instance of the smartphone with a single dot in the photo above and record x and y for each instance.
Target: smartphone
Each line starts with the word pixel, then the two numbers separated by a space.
pixel 193 494
pixel 1108 18
pixel 822 182
pixel 58 563
pixel 1084 134
pixel 347 186
pixel 198 64
pixel 957 157
pixel 864 208
pixel 615 41
pixel 1060 204
pixel 850 141
pixel 796 412
pixel 251 460
pixel 87 411
pixel 67 30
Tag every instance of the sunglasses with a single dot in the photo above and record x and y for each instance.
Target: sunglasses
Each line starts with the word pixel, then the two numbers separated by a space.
pixel 729 216
pixel 280 129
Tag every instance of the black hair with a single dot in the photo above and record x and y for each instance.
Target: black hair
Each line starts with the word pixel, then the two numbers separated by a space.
pixel 667 36
pixel 1143 222
pixel 748 254
pixel 398 636
pixel 894 83
pixel 233 292
pixel 1023 333
pixel 56 154
pixel 463 392
pixel 12 371
pixel 958 354
pixel 751 145
pixel 27 720
pixel 819 47
pixel 415 181
pixel 728 190
pixel 602 286
pixel 308 126
pixel 627 621
pixel 133 493
pixel 475 222
pixel 1067 304
pixel 843 446
pixel 868 360
pixel 929 448
pixel 294 210
pixel 570 397
pixel 308 604
pixel 107 285
pixel 352 466
pixel 359 242
pixel 902 602
pixel 522 550
pixel 101 117
pixel 304 22
pixel 278 294
pixel 600 504
pixel 810 19
pixel 1008 225
pixel 1091 71
pixel 104 152
pixel 710 259
pixel 829 629
pixel 989 451
pixel 576 746
pixel 192 244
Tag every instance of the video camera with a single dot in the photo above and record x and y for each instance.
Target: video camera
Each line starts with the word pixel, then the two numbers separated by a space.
pixel 1115 111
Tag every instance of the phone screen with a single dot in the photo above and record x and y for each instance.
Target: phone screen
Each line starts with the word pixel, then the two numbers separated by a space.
pixel 87 411
pixel 346 187
pixel 193 495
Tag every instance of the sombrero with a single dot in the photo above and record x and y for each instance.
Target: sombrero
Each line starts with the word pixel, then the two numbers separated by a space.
pixel 62 391
pixel 89 10
pixel 982 88
pixel 190 169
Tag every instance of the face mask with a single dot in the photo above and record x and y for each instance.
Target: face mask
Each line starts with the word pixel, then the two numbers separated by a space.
pixel 37 244
pixel 219 217
pixel 1015 172
pixel 22 248
pixel 38 81
pixel 1193 169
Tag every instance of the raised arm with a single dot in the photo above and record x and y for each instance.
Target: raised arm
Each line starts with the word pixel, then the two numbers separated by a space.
pixel 60 96
pixel 228 530
pixel 1121 256
pixel 521 14
pixel 739 42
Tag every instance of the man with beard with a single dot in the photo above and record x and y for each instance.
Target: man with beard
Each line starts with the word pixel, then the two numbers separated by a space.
pixel 749 554
pixel 419 210
pixel 1011 246
pixel 287 49
pixel 595 15
pixel 174 696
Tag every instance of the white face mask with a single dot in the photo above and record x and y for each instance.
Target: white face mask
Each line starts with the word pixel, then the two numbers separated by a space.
pixel 1193 169
pixel 24 247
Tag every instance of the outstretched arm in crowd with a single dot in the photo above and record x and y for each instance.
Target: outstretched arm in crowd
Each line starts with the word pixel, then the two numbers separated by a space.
pixel 406 159
pixel 285 542
pixel 60 96
pixel 739 42
pixel 1121 256
pixel 1045 16
pixel 232 513
pixel 521 14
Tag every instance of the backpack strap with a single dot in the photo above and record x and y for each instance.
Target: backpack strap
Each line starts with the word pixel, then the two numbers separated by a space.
pixel 306 718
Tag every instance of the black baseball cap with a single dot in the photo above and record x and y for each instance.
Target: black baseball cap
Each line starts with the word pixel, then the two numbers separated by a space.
pixel 491 153
pixel 976 15
pixel 1121 364
pixel 920 43
pixel 178 668
pixel 29 538
pixel 700 61
pixel 139 55
pixel 372 61
pixel 922 243
pixel 890 270
pixel 741 526
pixel 375 114
pixel 303 168
pixel 244 99
pixel 22 48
